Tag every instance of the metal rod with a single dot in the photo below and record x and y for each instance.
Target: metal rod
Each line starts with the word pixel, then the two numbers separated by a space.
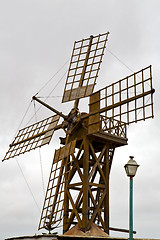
pixel 51 108
pixel 120 230
pixel 131 210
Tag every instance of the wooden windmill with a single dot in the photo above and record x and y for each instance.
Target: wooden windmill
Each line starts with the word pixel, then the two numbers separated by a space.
pixel 78 187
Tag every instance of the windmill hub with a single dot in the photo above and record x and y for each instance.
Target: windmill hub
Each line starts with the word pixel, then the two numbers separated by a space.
pixel 72 119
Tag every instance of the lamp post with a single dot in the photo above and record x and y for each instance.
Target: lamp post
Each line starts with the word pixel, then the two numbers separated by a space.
pixel 131 169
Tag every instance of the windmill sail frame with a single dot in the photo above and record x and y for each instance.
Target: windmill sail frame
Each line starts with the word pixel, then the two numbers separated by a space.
pixel 84 67
pixel 32 137
pixel 128 100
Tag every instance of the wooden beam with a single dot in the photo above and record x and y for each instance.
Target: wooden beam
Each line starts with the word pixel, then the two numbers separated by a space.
pixel 99 212
pixel 77 204
pixel 96 160
pixel 98 207
pixel 85 211
pixel 83 71
pixel 106 199
pixel 74 208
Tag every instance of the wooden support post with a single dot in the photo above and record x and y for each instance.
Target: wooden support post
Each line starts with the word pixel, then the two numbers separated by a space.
pixel 85 210
pixel 66 200
pixel 106 199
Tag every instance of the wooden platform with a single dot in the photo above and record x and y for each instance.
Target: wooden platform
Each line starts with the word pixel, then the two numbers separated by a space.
pixel 63 237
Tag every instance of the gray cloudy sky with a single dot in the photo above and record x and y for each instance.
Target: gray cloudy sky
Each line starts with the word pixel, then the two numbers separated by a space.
pixel 36 39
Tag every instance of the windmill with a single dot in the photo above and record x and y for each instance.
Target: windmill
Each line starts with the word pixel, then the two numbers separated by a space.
pixel 78 187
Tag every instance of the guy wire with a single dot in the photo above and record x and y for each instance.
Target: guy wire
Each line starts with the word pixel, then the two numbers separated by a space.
pixel 123 63
pixel 40 157
pixel 52 77
pixel 22 119
pixel 119 60
pixel 48 95
pixel 28 185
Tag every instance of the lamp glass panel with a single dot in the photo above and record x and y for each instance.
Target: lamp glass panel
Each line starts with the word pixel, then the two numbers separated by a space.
pixel 131 170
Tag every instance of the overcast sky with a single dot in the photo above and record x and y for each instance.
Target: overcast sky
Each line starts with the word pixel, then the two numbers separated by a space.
pixel 36 40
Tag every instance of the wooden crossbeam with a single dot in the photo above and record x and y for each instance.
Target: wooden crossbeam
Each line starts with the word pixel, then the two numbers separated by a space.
pixel 97 159
pixel 98 165
pixel 72 215
pixel 95 206
pixel 74 208
pixel 98 206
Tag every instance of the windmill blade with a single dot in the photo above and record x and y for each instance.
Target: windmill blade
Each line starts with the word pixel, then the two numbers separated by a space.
pixel 84 67
pixel 128 100
pixel 52 212
pixel 33 136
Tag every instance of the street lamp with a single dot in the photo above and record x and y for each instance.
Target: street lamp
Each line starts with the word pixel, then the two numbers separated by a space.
pixel 131 169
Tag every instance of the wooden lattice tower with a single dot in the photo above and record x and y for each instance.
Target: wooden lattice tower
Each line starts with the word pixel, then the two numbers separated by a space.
pixel 78 187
